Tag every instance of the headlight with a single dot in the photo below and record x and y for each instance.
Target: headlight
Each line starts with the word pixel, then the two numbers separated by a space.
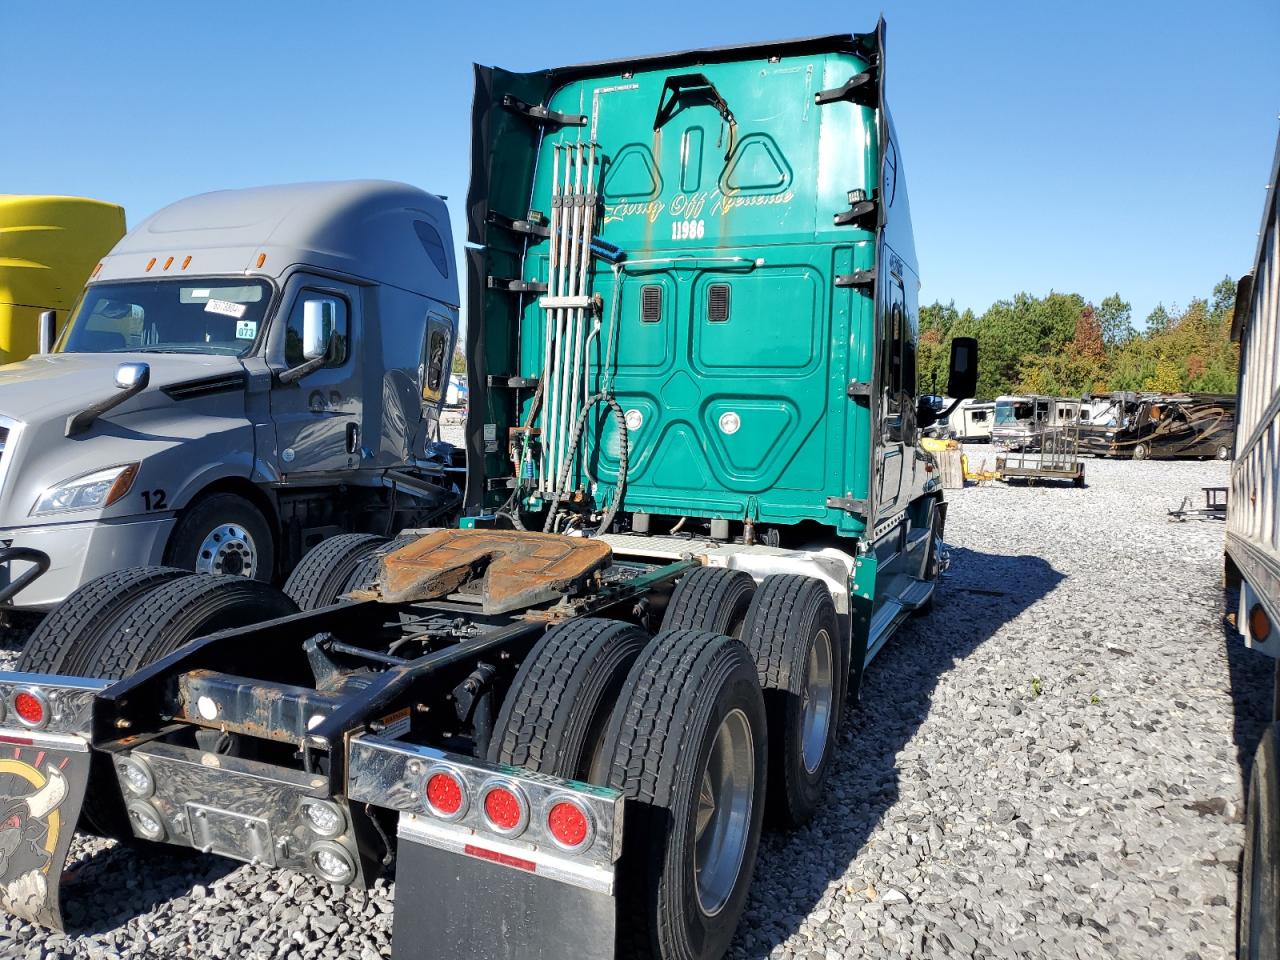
pixel 98 489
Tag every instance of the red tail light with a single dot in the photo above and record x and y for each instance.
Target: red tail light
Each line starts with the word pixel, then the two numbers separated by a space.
pixel 569 824
pixel 30 707
pixel 505 809
pixel 446 794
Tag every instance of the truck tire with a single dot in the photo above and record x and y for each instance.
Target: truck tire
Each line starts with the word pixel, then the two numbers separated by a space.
pixel 690 723
pixel 1140 452
pixel 1258 927
pixel 794 637
pixel 168 616
pixel 223 534
pixel 1223 452
pixel 321 575
pixel 712 599
pixel 555 715
pixel 77 623
pixel 365 573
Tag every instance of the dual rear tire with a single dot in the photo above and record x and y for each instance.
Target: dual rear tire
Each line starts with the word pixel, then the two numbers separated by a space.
pixel 703 732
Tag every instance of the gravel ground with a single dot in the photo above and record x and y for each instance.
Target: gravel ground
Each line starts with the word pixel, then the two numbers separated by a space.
pixel 1047 765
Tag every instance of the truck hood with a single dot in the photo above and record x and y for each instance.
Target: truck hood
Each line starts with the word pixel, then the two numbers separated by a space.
pixel 60 384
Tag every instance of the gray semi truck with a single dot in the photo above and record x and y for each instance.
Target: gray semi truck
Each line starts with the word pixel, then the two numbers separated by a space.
pixel 246 373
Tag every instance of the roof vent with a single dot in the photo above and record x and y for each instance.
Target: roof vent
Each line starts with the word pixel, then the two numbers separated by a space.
pixel 650 304
pixel 718 303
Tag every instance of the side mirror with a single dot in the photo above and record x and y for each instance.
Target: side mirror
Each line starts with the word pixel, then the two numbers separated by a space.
pixel 48 330
pixel 133 376
pixel 319 321
pixel 926 415
pixel 962 382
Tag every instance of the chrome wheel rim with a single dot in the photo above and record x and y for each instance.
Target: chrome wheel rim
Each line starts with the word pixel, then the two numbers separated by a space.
pixel 228 550
pixel 723 813
pixel 816 699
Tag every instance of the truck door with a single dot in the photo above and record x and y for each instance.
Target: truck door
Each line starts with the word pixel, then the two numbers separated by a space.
pixel 893 415
pixel 317 418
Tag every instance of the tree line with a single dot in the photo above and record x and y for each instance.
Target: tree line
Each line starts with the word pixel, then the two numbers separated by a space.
pixel 1063 345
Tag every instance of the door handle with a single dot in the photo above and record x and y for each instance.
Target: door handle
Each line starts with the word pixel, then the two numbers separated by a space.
pixel 353 437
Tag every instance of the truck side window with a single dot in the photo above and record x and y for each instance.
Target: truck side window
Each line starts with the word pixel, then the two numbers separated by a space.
pixel 891 362
pixel 293 329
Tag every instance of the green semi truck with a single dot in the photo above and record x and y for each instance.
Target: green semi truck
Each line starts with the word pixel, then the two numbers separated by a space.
pixel 696 508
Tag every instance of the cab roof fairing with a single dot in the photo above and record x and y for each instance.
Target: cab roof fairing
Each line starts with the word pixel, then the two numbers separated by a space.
pixel 363 229
pixel 537 87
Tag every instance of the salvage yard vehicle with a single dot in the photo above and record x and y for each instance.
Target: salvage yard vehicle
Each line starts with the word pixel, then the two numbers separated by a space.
pixel 973 421
pixel 1017 421
pixel 1166 427
pixel 48 246
pixel 1052 452
pixel 696 508
pixel 1253 564
pixel 246 373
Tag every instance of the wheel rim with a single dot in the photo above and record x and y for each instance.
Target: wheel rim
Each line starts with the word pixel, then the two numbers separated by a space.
pixel 1223 453
pixel 815 702
pixel 228 549
pixel 723 816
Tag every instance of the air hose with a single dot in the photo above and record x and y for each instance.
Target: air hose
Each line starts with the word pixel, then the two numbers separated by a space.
pixel 574 437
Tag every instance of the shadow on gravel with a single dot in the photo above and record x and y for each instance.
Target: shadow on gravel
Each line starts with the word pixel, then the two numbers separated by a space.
pixel 1252 690
pixel 112 886
pixel 981 593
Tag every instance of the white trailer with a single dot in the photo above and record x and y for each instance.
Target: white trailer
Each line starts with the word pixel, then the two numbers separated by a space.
pixel 1253 563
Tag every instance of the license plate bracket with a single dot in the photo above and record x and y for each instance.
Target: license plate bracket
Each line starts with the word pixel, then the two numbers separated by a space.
pixel 231 834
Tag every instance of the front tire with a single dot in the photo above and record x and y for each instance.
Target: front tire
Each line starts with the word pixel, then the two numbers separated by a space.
pixel 688 746
pixel 223 534
pixel 1258 929
pixel 1224 452
pixel 1140 452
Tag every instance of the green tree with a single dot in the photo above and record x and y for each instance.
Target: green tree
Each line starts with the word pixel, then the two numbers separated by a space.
pixel 1158 319
pixel 1115 317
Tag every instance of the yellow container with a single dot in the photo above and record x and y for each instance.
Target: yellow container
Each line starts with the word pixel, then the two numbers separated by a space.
pixel 48 248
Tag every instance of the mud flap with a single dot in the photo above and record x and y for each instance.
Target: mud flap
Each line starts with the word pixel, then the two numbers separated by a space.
pixel 451 906
pixel 43 778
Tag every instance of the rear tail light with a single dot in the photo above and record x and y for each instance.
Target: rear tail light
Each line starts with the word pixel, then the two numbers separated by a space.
pixel 1259 624
pixel 446 794
pixel 332 861
pixel 505 809
pixel 31 708
pixel 569 823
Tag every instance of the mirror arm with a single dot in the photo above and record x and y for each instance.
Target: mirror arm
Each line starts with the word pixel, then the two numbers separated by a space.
pixel 80 422
pixel 294 374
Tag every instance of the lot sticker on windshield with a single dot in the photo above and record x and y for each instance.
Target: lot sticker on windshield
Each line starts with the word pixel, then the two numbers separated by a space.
pixel 246 329
pixel 226 308
pixel 199 294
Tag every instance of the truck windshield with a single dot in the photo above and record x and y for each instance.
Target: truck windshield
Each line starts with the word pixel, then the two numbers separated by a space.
pixel 1010 411
pixel 168 316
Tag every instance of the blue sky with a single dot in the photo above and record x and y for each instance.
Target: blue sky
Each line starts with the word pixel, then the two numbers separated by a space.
pixel 1084 146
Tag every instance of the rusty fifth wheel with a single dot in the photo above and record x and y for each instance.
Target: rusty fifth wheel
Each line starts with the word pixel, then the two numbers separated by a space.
pixel 689 749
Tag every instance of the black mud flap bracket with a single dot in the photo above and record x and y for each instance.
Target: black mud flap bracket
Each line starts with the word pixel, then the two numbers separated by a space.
pixel 540 114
